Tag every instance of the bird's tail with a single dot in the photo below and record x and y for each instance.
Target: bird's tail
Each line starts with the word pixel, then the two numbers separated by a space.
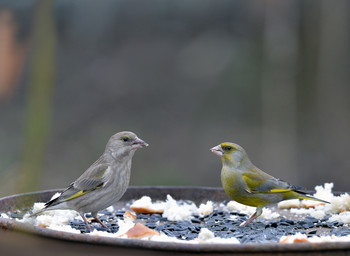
pixel 307 197
pixel 48 206
pixel 38 212
pixel 304 195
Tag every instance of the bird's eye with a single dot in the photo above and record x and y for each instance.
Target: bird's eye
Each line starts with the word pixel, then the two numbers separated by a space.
pixel 228 148
pixel 125 139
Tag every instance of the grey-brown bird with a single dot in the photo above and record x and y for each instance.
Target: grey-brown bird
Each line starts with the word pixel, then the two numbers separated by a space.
pixel 104 182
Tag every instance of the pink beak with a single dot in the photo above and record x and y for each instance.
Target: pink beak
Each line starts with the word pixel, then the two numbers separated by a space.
pixel 217 150
pixel 138 143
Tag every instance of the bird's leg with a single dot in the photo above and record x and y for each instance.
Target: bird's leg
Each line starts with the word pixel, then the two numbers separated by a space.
pixel 86 222
pixel 245 223
pixel 103 225
pixel 253 217
pixel 94 214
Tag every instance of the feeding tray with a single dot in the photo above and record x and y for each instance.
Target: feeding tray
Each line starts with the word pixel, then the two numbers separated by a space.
pixel 197 195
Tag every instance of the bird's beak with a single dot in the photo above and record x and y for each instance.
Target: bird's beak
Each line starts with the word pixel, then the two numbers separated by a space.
pixel 217 150
pixel 138 143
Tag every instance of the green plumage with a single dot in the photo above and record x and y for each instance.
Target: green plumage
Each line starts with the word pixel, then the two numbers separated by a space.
pixel 246 184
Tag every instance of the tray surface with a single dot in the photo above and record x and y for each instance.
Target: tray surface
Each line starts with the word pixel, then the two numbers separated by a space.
pixel 196 194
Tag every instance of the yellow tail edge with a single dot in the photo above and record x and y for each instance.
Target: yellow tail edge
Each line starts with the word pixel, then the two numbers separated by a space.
pixel 313 198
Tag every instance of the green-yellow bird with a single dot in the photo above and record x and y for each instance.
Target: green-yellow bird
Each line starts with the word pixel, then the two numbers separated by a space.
pixel 246 184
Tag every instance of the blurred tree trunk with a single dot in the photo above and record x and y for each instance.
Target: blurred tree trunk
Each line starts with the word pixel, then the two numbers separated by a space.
pixel 279 67
pixel 332 94
pixel 39 98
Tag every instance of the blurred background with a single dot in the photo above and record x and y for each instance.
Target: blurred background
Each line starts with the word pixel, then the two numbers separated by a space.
pixel 186 75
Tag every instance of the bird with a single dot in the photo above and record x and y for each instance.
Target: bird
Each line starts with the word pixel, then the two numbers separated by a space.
pixel 103 183
pixel 244 183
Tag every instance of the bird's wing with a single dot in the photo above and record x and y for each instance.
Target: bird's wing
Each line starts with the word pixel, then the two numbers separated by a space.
pixel 258 181
pixel 92 179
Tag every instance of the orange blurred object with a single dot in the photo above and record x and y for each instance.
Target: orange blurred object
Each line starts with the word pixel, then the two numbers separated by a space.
pixel 12 54
pixel 140 230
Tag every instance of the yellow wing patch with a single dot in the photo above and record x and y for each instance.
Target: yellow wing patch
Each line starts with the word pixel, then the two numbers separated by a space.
pixel 280 190
pixel 255 182
pixel 79 193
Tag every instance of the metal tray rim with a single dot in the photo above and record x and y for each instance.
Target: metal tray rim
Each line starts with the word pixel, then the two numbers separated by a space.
pixel 9 224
